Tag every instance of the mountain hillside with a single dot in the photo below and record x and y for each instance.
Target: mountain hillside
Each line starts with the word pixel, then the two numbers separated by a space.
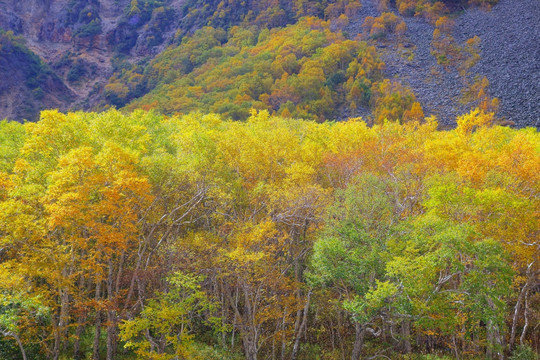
pixel 269 179
pixel 105 53
pixel 79 39
pixel 28 85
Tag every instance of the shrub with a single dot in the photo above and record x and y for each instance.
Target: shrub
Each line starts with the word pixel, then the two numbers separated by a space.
pixel 523 352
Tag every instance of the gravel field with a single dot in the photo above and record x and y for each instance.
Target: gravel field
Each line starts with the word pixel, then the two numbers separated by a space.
pixel 510 59
pixel 510 46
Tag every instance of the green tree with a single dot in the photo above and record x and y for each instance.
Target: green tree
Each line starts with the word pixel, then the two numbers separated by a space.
pixel 163 329
pixel 451 281
pixel 350 257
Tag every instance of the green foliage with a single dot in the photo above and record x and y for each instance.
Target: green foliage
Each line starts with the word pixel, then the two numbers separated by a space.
pixel 77 70
pixel 12 135
pixel 523 352
pixel 351 256
pixel 15 306
pixel 428 262
pixel 167 319
pixel 20 310
pixel 154 15
pixel 264 14
pixel 303 70
pixel 83 17
pixel 90 29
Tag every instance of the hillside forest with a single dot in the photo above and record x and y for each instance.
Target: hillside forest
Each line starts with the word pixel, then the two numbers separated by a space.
pixel 311 69
pixel 322 60
pixel 265 180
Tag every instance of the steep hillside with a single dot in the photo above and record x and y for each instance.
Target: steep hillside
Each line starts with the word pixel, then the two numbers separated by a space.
pixel 107 53
pixel 303 70
pixel 85 41
pixel 510 59
pixel 449 74
pixel 28 85
pixel 79 39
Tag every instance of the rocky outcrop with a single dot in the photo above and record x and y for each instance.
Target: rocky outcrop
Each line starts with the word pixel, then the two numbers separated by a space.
pixel 28 84
pixel 87 34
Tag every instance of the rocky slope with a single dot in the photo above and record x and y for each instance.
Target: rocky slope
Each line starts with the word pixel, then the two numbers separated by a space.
pixel 27 83
pixel 510 46
pixel 79 38
pixel 510 59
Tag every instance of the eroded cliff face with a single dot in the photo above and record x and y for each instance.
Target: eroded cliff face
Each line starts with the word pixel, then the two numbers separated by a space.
pixel 78 40
pixel 27 84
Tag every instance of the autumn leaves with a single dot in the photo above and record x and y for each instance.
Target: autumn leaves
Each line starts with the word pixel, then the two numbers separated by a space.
pixel 270 238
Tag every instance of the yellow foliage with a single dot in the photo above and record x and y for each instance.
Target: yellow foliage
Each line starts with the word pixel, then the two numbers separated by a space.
pixel 468 123
pixel 93 198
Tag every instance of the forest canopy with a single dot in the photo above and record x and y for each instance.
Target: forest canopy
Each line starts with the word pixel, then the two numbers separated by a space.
pixel 305 70
pixel 137 235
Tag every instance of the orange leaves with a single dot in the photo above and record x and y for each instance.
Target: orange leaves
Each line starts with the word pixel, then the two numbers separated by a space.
pixel 92 191
pixel 5 185
pixel 84 183
pixel 415 113
pixel 390 100
pixel 429 9
pixel 128 198
pixel 382 26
